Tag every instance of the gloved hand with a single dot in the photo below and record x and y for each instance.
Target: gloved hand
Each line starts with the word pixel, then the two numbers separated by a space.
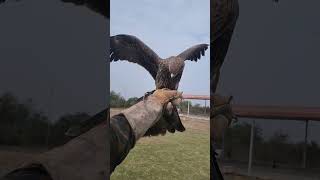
pixel 222 115
pixel 146 113
pixel 170 121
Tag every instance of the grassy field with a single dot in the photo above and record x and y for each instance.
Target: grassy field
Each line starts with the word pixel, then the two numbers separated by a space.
pixel 173 156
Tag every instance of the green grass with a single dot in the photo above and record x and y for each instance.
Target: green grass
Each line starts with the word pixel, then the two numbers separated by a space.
pixel 173 156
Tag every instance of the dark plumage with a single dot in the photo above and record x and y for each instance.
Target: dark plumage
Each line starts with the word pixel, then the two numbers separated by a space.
pixel 166 72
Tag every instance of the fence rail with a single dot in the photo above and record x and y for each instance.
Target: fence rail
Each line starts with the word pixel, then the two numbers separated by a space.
pixel 277 113
pixel 198 97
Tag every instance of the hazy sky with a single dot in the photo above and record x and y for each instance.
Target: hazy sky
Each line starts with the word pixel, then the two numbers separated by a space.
pixel 274 60
pixel 54 53
pixel 169 29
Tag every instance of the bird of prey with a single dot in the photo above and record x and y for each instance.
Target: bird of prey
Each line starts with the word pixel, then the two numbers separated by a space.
pixel 166 72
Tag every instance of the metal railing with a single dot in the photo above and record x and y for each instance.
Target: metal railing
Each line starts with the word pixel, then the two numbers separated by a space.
pixel 196 97
pixel 277 113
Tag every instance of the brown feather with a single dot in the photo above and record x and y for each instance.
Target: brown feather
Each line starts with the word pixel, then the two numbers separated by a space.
pixel 130 48
pixel 194 53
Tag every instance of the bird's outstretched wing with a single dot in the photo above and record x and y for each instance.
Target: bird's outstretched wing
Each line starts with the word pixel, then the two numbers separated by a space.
pixel 194 53
pixel 130 48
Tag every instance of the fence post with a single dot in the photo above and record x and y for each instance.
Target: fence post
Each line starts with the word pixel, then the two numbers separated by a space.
pixel 188 107
pixel 251 147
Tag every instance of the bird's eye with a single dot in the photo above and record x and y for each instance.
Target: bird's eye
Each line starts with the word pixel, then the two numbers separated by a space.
pixel 171 75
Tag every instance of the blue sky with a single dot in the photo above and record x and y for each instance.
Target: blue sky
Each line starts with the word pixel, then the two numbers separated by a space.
pixel 168 27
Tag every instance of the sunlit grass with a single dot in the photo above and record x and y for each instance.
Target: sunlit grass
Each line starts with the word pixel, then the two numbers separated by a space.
pixel 173 156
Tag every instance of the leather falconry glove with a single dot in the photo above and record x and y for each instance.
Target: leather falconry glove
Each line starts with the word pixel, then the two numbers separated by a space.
pixel 169 121
pixel 222 115
pixel 146 113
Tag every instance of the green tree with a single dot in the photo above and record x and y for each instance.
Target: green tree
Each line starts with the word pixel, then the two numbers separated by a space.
pixel 116 100
pixel 131 101
pixel 184 106
pixel 237 140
